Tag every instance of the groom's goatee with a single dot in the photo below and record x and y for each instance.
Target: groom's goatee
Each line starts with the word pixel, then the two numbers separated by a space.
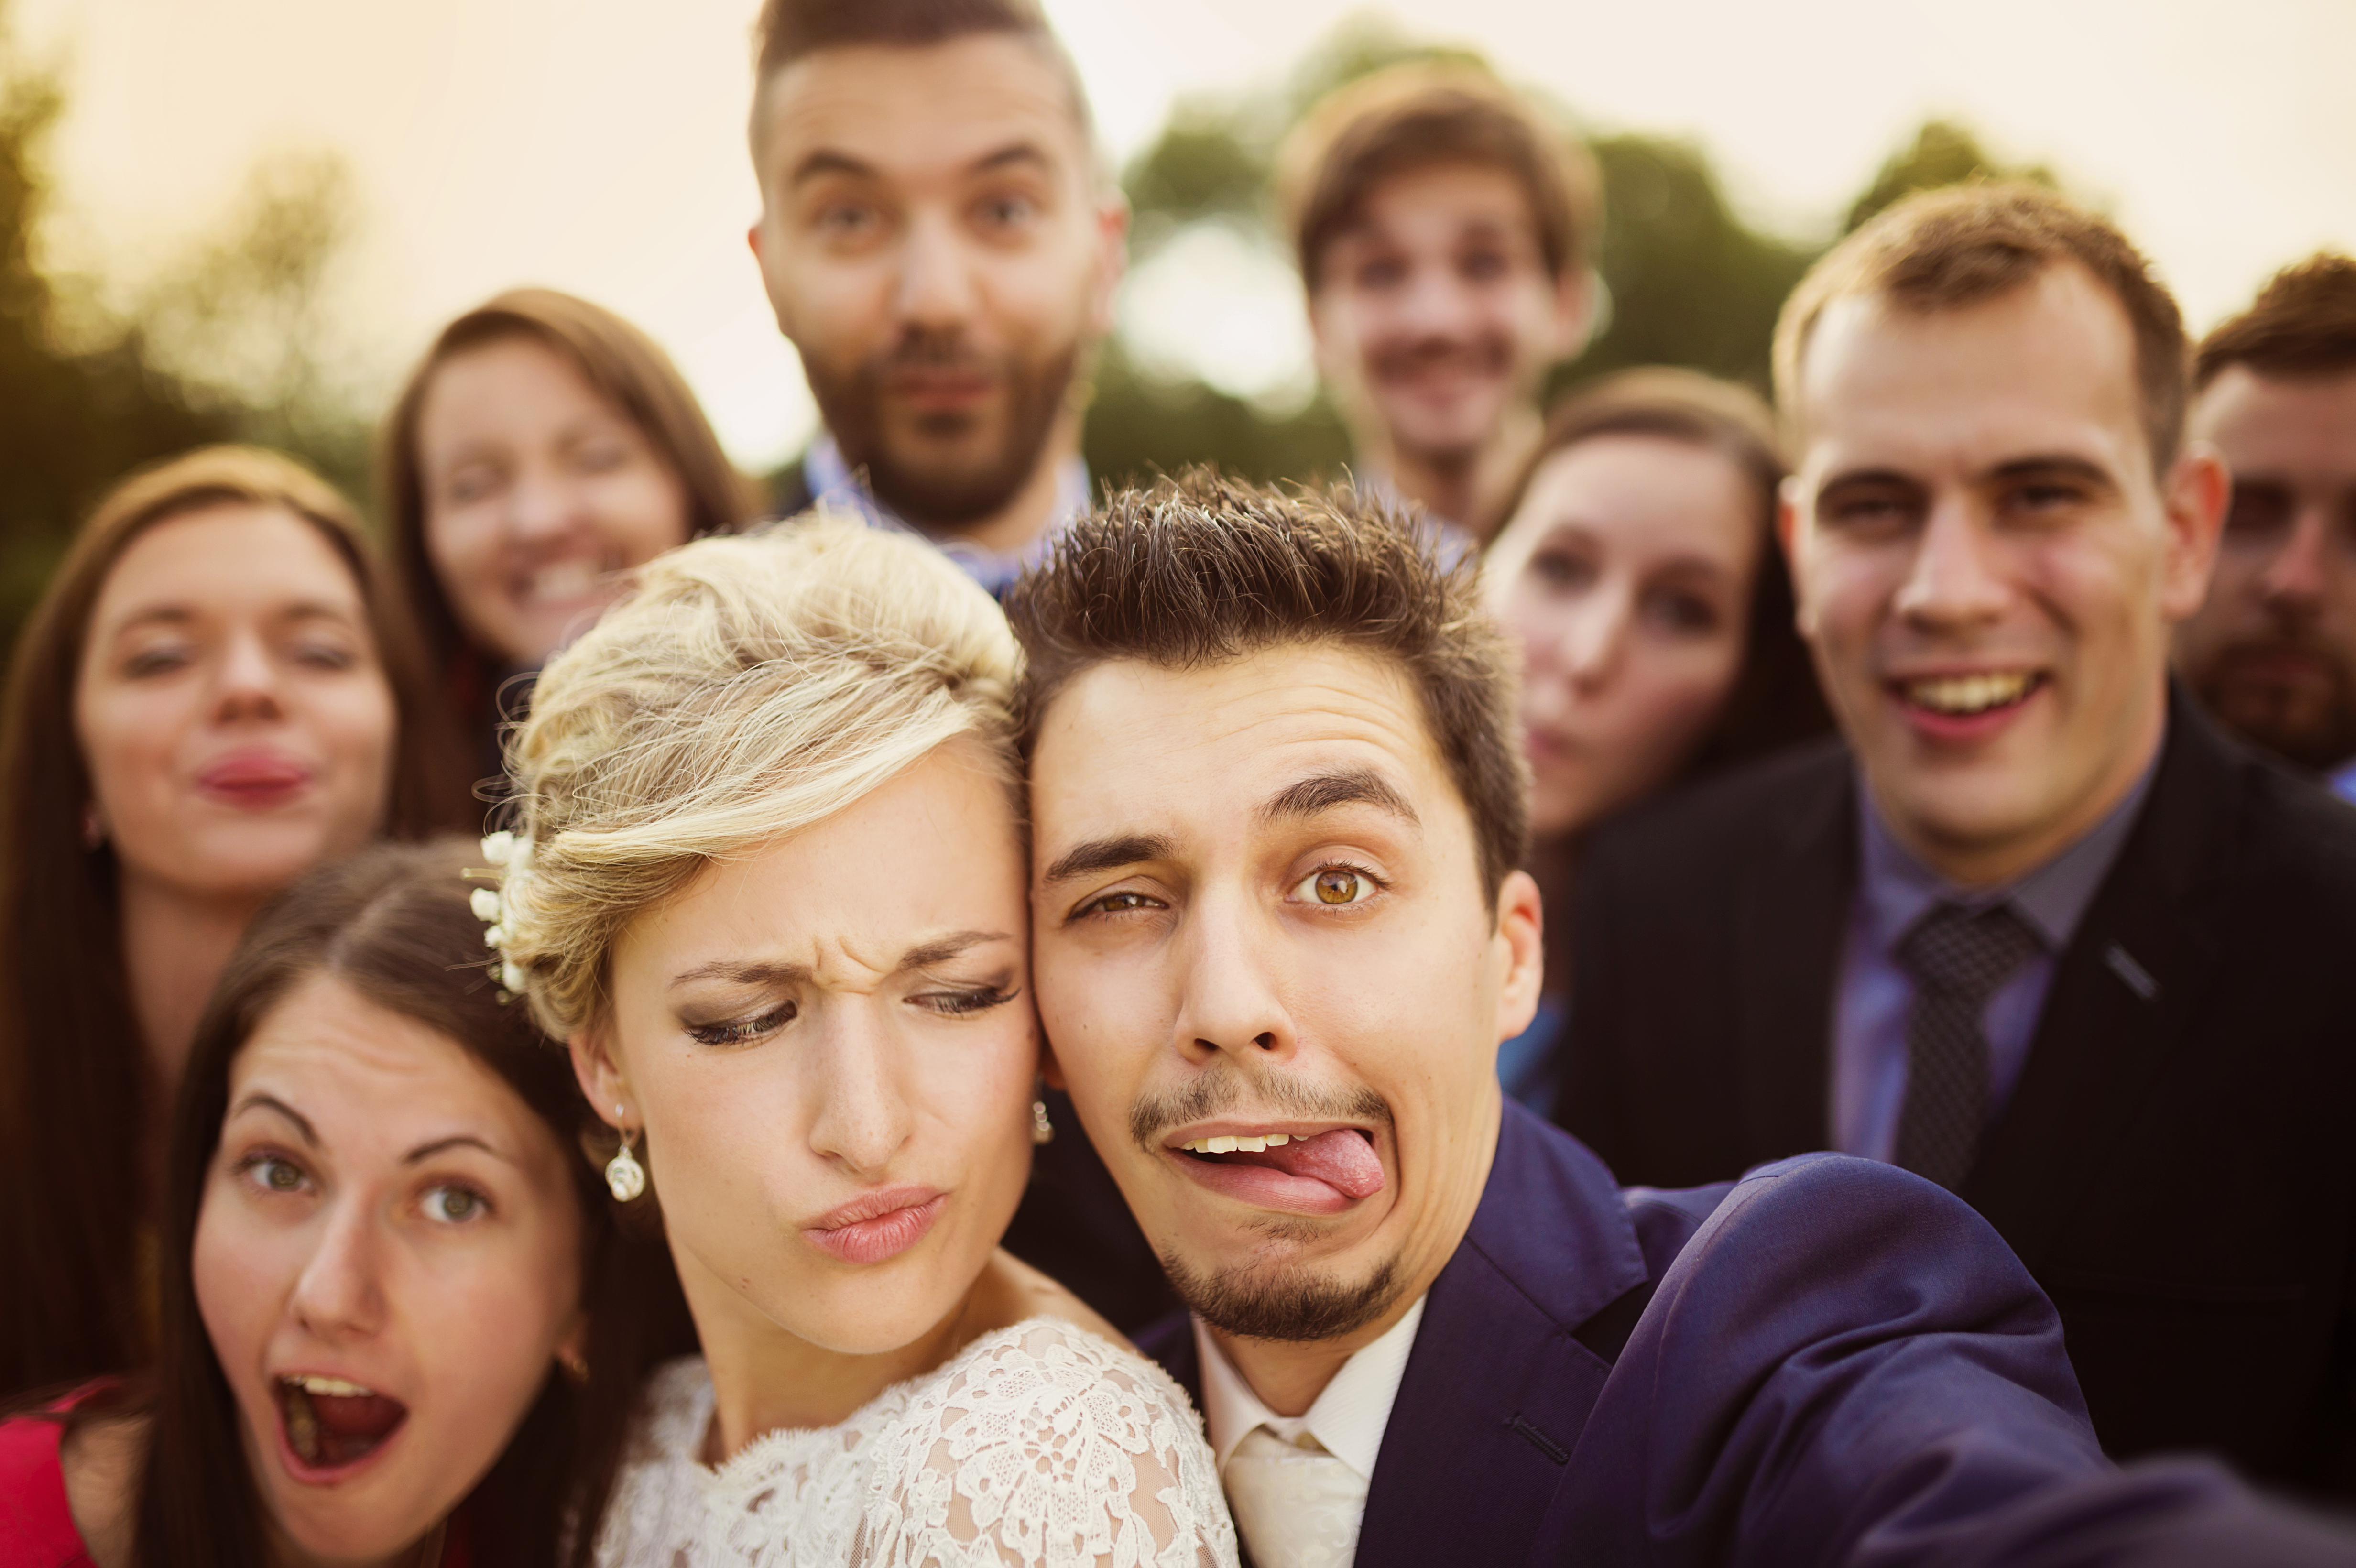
pixel 1287 1303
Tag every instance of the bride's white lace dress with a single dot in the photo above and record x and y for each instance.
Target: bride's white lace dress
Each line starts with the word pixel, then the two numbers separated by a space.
pixel 1039 1443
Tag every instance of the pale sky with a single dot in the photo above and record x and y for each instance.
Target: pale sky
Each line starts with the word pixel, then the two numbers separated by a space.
pixel 597 145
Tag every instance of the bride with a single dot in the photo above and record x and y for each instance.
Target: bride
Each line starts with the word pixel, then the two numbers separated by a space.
pixel 769 883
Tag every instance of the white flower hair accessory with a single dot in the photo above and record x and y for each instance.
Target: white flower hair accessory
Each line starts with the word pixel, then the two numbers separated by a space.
pixel 509 856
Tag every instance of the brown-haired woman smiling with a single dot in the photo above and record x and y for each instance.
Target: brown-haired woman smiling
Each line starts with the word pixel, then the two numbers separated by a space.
pixel 378 1235
pixel 542 446
pixel 218 690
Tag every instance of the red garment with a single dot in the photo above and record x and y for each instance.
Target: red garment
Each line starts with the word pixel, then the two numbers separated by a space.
pixel 36 1527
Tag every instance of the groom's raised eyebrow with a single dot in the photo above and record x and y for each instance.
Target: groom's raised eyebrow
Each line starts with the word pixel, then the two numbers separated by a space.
pixel 1345 786
pixel 1108 854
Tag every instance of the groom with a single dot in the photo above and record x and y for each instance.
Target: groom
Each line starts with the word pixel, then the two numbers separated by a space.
pixel 1280 930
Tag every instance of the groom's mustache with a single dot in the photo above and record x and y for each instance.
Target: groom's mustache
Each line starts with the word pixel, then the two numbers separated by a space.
pixel 1225 1086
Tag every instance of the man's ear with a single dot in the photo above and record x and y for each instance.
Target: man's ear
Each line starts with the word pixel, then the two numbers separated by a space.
pixel 1787 539
pixel 1112 261
pixel 2196 492
pixel 1574 296
pixel 601 1080
pixel 753 239
pixel 1521 925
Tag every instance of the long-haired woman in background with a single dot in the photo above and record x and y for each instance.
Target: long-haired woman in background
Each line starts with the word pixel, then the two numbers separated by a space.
pixel 1639 568
pixel 219 690
pixel 379 1226
pixel 542 447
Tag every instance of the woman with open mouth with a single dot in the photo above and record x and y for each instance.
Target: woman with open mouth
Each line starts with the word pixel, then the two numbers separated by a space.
pixel 374 1336
pixel 769 879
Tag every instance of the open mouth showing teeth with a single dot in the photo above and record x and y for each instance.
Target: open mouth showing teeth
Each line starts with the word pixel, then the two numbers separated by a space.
pixel 1343 1159
pixel 1962 696
pixel 331 1423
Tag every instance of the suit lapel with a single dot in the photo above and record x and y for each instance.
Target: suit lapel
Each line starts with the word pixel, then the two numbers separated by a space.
pixel 2131 977
pixel 1787 967
pixel 1497 1390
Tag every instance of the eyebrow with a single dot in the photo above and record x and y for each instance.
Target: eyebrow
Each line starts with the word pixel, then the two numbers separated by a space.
pixel 2053 462
pixel 272 1103
pixel 826 161
pixel 424 1152
pixel 924 954
pixel 1108 854
pixel 1323 791
pixel 182 615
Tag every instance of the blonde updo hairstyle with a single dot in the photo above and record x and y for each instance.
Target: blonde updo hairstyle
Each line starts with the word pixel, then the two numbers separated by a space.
pixel 746 689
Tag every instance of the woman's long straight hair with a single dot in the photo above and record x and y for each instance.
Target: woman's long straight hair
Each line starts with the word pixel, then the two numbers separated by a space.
pixel 77 1111
pixel 393 924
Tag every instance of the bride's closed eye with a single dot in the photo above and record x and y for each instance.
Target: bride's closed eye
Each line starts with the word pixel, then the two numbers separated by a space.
pixel 743 1031
pixel 966 1001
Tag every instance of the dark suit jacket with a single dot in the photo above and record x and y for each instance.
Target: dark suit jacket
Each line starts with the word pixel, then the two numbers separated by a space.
pixel 2177 1165
pixel 1829 1361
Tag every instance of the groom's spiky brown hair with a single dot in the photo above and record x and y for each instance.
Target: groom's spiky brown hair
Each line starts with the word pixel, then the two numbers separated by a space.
pixel 1199 570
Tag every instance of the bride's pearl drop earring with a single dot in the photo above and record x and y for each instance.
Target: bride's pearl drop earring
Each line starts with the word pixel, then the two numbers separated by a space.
pixel 624 1177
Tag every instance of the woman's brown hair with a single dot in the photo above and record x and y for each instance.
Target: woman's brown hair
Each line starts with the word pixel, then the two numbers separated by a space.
pixel 76 1099
pixel 393 924
pixel 627 368
pixel 1776 701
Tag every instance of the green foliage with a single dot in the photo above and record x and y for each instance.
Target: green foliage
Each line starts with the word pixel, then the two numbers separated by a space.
pixel 231 343
pixel 1942 154
pixel 1140 425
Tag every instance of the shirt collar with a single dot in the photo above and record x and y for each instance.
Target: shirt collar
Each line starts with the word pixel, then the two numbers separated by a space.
pixel 1896 888
pixel 831 481
pixel 1348 1419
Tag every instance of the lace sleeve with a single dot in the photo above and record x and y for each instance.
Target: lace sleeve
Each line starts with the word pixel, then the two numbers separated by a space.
pixel 1048 1445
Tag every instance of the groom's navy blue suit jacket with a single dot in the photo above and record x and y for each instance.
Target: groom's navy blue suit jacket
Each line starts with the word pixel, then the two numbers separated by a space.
pixel 1828 1361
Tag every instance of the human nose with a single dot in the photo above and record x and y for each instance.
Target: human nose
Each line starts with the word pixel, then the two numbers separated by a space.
pixel 2293 579
pixel 340 1292
pixel 1595 637
pixel 247 684
pixel 863 1116
pixel 1227 1003
pixel 1954 581
pixel 1435 302
pixel 542 508
pixel 937 282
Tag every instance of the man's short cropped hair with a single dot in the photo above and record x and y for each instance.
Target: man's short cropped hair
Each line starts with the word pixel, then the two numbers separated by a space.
pixel 1201 569
pixel 1417 114
pixel 2302 324
pixel 788 30
pixel 1963 245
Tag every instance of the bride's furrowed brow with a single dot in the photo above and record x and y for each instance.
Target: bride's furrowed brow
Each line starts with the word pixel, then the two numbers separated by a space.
pixel 941 949
pixel 743 973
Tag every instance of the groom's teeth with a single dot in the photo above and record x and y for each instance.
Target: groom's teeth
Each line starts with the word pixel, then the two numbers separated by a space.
pixel 1246 1143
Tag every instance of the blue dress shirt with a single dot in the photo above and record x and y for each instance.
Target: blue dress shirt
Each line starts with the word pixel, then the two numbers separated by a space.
pixel 831 481
pixel 1894 890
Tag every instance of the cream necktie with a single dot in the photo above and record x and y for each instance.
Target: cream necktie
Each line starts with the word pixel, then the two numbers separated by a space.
pixel 1295 1504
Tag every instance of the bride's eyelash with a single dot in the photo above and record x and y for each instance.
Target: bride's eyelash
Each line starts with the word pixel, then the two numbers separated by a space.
pixel 743 1032
pixel 958 1004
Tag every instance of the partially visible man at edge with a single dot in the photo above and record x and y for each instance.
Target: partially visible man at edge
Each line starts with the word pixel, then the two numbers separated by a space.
pixel 2273 651
pixel 1278 935
pixel 940 238
pixel 2036 931
pixel 1443 227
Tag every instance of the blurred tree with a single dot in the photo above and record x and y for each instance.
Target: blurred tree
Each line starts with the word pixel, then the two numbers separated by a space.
pixel 233 342
pixel 1943 153
pixel 73 418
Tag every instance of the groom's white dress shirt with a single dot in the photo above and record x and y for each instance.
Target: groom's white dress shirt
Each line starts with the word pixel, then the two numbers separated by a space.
pixel 1297 1483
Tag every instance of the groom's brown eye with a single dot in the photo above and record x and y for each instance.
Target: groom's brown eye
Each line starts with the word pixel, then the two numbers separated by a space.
pixel 1336 887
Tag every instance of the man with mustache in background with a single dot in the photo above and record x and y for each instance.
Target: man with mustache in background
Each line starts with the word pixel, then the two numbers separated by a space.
pixel 2273 649
pixel 1443 228
pixel 1278 932
pixel 940 240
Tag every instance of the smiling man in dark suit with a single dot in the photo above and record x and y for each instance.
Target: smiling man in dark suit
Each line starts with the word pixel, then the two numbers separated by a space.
pixel 2036 932
pixel 1277 933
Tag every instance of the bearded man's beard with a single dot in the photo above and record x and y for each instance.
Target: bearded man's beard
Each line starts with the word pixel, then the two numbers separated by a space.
pixel 922 477
pixel 2293 725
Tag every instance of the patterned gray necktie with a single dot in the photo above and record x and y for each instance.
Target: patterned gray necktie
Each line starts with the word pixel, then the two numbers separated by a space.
pixel 1959 958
